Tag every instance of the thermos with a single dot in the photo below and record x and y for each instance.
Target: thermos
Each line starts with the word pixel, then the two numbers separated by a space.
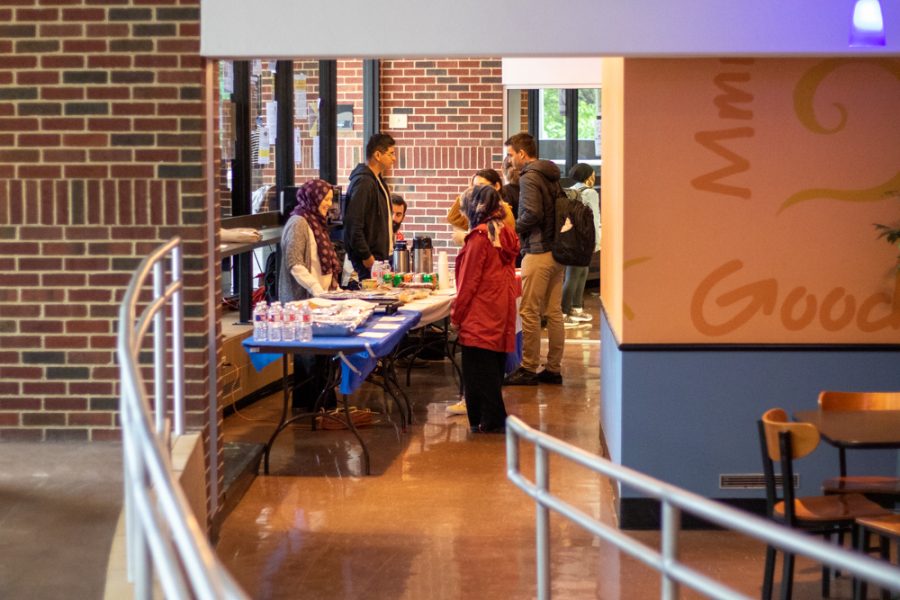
pixel 422 255
pixel 401 257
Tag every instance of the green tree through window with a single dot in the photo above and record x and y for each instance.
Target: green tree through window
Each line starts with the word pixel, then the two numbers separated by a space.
pixel 553 118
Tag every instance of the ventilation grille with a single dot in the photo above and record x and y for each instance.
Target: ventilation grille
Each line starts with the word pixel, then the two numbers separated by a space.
pixel 750 481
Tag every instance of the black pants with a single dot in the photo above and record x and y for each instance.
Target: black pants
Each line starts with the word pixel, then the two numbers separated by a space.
pixel 311 373
pixel 483 380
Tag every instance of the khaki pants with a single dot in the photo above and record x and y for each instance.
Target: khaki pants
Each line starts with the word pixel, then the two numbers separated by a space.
pixel 542 283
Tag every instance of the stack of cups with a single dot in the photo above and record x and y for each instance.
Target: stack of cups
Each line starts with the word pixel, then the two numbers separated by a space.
pixel 443 271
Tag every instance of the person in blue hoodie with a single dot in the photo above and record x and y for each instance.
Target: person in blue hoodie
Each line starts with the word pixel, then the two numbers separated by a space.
pixel 368 222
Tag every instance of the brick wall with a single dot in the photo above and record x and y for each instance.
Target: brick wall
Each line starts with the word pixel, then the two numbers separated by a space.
pixel 101 127
pixel 454 113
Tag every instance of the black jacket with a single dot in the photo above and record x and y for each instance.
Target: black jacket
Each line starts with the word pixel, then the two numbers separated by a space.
pixel 366 222
pixel 539 185
pixel 510 193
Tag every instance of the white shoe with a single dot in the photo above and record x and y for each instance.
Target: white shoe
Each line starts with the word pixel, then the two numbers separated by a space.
pixel 569 322
pixel 457 409
pixel 579 315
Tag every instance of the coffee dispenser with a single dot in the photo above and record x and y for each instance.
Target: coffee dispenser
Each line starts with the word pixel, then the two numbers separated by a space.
pixel 422 254
pixel 401 257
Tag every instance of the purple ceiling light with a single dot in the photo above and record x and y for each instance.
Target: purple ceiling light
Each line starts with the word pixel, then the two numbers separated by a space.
pixel 868 24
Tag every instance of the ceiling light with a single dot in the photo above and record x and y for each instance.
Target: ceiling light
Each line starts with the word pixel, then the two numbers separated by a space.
pixel 868 24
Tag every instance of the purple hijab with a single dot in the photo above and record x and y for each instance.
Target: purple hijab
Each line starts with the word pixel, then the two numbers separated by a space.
pixel 309 197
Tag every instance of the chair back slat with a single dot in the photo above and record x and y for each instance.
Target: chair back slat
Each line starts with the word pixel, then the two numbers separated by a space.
pixel 832 400
pixel 804 436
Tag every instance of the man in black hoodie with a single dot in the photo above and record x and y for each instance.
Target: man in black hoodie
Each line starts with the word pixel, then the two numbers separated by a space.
pixel 542 276
pixel 368 224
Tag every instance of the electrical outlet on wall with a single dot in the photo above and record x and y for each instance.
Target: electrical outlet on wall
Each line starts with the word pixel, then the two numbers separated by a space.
pixel 397 121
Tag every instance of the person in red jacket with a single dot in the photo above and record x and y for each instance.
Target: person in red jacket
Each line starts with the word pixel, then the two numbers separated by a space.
pixel 485 307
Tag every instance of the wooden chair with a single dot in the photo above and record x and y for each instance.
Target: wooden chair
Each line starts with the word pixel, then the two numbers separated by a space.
pixel 887 529
pixel 886 490
pixel 783 442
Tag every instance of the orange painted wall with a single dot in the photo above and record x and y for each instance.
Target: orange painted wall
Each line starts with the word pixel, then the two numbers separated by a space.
pixel 612 205
pixel 748 193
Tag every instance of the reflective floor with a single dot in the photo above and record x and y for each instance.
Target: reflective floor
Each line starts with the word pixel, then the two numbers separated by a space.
pixel 437 518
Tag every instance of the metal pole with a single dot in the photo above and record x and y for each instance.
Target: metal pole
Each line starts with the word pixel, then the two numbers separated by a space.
pixel 542 525
pixel 671 523
pixel 159 351
pixel 177 342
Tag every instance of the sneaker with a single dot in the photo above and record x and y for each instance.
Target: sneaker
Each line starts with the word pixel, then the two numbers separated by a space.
pixel 521 376
pixel 547 376
pixel 580 316
pixel 570 323
pixel 458 408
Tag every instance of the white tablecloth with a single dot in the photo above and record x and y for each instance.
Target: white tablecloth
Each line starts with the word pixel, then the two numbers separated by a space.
pixel 433 308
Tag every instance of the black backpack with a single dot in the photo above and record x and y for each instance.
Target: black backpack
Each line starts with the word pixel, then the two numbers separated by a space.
pixel 574 236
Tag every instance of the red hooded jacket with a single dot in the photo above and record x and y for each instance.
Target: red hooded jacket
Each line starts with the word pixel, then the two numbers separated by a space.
pixel 486 291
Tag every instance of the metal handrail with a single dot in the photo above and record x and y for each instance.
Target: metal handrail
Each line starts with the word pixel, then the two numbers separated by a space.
pixel 674 500
pixel 164 539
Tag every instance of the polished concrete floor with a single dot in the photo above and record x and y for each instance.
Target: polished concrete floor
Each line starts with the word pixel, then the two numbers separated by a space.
pixel 437 518
pixel 59 505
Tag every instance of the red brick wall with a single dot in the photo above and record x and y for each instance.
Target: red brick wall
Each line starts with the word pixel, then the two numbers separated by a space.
pixel 454 110
pixel 101 159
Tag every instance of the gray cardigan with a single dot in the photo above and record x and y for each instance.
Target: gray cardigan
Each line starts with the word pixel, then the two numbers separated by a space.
pixel 295 248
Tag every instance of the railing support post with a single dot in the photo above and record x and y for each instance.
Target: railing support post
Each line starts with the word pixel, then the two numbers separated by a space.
pixel 542 525
pixel 159 352
pixel 671 524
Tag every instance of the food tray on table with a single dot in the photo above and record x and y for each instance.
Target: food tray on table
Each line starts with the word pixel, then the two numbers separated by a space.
pixel 387 300
pixel 338 318
pixel 365 295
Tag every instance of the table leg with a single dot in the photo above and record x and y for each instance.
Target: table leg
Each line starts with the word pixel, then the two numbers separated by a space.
pixel 333 379
pixel 282 422
pixel 389 375
pixel 449 351
pixel 347 420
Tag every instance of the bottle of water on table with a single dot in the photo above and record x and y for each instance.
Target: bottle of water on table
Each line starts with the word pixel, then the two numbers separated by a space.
pixel 260 316
pixel 275 322
pixel 289 323
pixel 304 327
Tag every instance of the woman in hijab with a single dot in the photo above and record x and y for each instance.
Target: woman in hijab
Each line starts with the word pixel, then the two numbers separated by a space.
pixel 309 267
pixel 456 216
pixel 485 307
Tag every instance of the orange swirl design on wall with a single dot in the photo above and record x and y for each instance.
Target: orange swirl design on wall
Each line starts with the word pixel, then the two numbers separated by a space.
pixel 804 95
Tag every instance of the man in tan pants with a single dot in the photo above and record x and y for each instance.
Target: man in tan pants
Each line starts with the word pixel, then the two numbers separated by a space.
pixel 542 276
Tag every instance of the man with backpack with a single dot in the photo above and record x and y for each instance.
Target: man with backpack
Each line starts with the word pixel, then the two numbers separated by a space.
pixel 542 275
pixel 576 274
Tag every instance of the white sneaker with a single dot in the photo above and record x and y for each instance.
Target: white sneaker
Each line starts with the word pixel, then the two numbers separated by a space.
pixel 569 322
pixel 579 315
pixel 457 409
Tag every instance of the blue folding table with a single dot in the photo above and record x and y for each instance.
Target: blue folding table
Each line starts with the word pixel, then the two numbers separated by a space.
pixel 357 355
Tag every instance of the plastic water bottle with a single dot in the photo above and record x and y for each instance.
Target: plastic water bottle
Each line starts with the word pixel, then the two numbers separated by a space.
pixel 289 323
pixel 377 270
pixel 304 328
pixel 260 316
pixel 275 322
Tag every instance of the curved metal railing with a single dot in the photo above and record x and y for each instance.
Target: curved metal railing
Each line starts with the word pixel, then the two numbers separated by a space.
pixel 674 500
pixel 165 542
